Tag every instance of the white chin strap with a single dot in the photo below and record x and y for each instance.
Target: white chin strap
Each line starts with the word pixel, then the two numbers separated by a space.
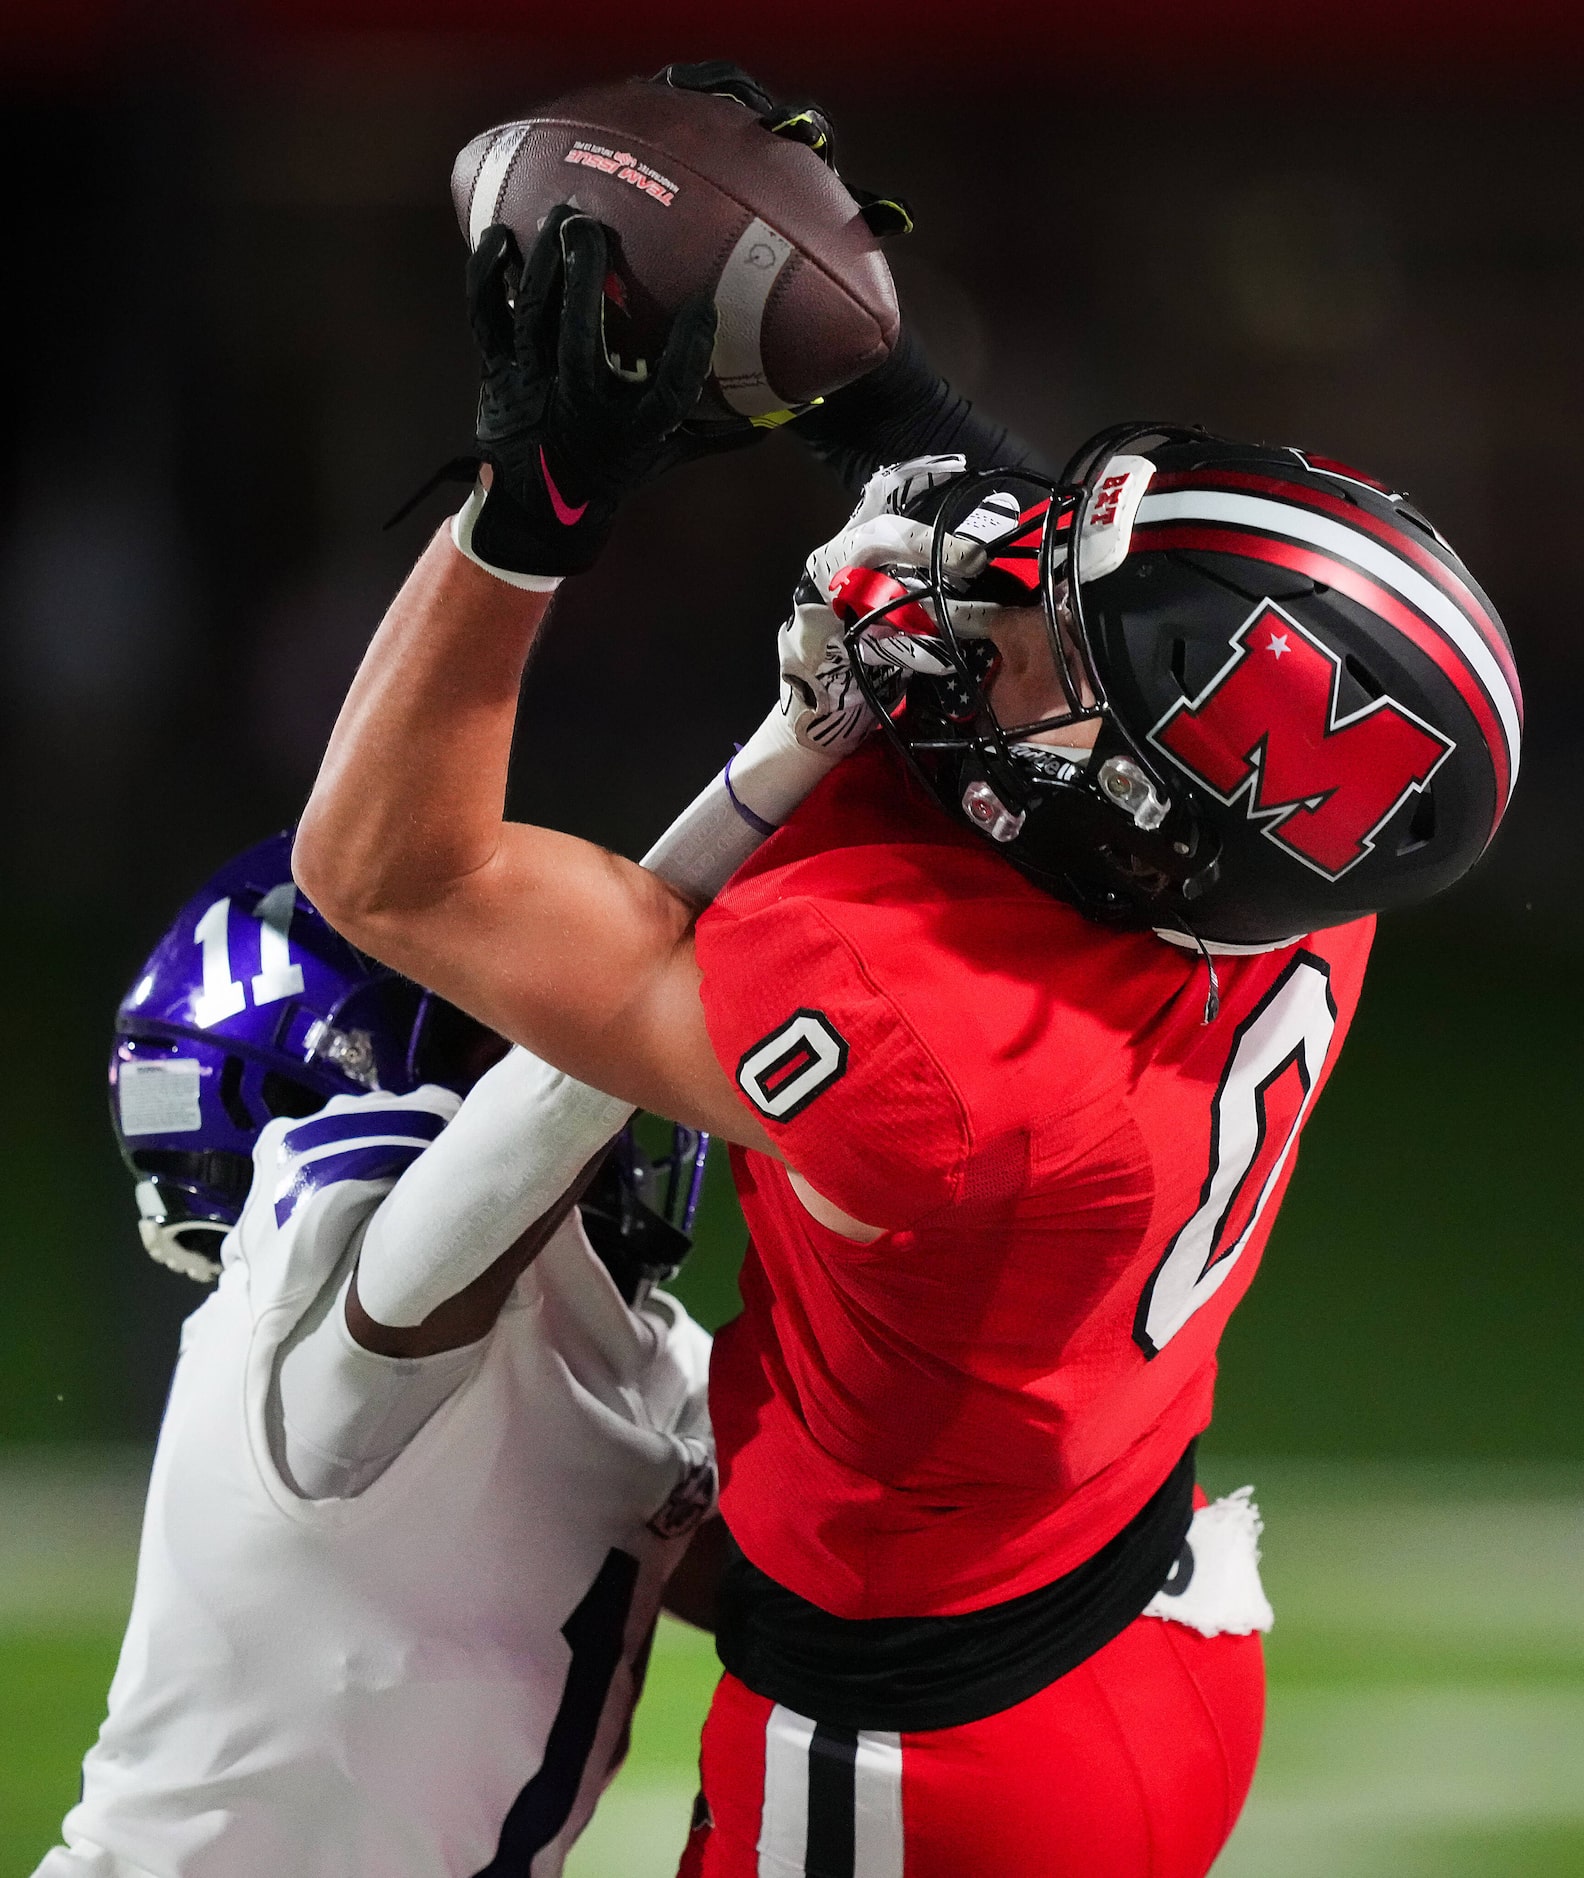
pixel 1221 948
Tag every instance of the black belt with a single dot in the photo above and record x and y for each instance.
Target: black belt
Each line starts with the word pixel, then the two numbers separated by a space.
pixel 900 1674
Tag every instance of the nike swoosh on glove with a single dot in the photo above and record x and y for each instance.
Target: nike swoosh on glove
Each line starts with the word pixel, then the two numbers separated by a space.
pixel 567 435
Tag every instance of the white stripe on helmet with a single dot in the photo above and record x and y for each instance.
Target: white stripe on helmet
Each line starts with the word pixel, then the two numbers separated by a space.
pixel 1373 557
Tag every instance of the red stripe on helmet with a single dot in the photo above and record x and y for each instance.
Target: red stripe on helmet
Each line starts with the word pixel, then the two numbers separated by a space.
pixel 1031 531
pixel 1399 540
pixel 1367 592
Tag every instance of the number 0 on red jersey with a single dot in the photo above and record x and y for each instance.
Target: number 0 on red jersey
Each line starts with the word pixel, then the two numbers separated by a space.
pixel 1076 1175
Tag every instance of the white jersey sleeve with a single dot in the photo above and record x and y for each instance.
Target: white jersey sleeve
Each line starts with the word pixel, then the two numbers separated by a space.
pixel 317 1183
pixel 337 1415
pixel 341 1414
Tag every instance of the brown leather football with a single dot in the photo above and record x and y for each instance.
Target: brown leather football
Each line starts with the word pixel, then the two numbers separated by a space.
pixel 701 198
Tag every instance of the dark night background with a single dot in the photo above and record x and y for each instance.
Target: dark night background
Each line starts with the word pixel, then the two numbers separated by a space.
pixel 234 285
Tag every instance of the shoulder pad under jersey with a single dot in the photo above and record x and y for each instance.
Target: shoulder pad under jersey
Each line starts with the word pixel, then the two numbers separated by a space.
pixel 315 1181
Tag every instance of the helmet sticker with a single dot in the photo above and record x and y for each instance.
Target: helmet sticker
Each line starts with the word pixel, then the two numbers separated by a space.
pixel 782 1073
pixel 159 1098
pixel 278 975
pixel 1371 572
pixel 1267 724
pixel 1107 528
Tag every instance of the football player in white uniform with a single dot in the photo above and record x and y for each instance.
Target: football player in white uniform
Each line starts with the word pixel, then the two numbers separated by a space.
pixel 435 1445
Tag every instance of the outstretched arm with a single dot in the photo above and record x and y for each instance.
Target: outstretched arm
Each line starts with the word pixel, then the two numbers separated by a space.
pixel 581 955
pixel 904 409
pixel 584 957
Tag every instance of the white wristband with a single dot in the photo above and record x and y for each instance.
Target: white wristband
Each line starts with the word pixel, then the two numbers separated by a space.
pixel 462 539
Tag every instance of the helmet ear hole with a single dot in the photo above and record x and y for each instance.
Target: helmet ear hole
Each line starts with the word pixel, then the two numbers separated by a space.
pixel 1421 824
pixel 1179 665
pixel 283 1095
pixel 231 1094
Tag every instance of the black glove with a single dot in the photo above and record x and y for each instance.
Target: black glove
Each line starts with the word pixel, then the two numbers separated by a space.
pixel 566 434
pixel 803 123
pixel 903 408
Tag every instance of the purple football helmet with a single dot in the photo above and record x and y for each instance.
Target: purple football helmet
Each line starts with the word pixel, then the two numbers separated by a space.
pixel 253 1006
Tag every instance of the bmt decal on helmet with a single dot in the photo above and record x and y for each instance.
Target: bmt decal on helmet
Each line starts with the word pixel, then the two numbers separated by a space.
pixel 1267 723
pixel 781 1074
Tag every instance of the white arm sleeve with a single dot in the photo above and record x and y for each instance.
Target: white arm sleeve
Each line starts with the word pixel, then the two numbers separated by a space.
pixel 755 793
pixel 519 1141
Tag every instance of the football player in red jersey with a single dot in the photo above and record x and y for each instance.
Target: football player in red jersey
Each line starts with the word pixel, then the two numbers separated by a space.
pixel 1014 1025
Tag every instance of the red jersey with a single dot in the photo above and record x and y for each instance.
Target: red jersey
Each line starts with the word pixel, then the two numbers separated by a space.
pixel 1076 1175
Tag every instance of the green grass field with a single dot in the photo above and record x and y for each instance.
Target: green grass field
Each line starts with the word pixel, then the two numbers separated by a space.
pixel 1427 1672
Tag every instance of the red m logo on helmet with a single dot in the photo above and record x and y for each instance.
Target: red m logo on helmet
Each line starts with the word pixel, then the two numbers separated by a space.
pixel 1267 722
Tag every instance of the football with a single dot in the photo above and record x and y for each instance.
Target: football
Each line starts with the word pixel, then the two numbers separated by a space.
pixel 701 198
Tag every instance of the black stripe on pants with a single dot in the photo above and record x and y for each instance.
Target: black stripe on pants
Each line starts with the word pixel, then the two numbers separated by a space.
pixel 832 1801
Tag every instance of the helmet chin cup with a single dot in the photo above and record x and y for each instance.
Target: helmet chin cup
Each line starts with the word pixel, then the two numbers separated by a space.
pixel 165 1244
pixel 179 1243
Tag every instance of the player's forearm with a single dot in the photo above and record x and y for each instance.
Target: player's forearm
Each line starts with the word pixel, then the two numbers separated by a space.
pixel 511 1162
pixel 905 409
pixel 410 795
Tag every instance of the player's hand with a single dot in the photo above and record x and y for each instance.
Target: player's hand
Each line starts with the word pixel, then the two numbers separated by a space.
pixel 820 698
pixel 567 435
pixel 801 122
pixel 820 694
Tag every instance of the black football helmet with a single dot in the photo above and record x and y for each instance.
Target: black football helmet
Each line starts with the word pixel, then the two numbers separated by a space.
pixel 1307 708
